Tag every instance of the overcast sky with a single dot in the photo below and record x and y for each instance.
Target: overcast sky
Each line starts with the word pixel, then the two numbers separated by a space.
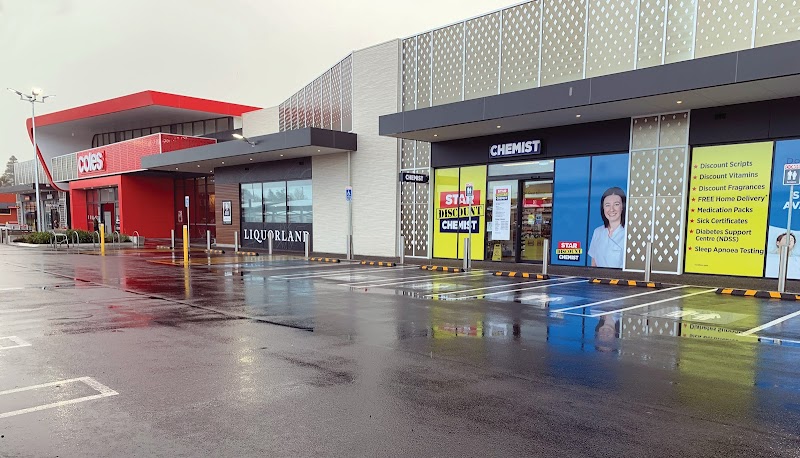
pixel 254 52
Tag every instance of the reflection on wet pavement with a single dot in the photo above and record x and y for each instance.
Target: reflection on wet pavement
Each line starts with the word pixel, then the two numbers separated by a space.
pixel 693 346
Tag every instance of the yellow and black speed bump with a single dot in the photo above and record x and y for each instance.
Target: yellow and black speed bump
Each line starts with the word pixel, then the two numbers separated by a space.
pixel 214 251
pixel 324 259
pixel 378 263
pixel 641 284
pixel 442 268
pixel 522 275
pixel 759 294
pixel 246 253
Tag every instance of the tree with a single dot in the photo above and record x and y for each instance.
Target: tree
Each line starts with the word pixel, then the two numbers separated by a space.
pixel 7 179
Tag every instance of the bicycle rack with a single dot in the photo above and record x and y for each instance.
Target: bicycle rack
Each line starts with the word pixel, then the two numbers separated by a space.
pixel 76 238
pixel 98 239
pixel 119 238
pixel 136 234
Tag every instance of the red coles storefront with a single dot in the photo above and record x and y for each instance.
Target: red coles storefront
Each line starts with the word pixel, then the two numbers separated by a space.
pixel 112 188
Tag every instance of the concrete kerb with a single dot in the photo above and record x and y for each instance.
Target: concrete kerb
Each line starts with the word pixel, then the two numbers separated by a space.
pixel 521 275
pixel 760 294
pixel 619 282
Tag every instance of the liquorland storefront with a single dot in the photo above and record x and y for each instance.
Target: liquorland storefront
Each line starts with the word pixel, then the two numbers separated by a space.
pixel 710 198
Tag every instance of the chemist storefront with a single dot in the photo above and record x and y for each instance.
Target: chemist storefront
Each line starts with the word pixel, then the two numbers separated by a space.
pixel 531 187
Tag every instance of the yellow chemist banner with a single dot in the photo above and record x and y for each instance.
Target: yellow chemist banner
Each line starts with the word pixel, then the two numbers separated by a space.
pixel 454 215
pixel 728 207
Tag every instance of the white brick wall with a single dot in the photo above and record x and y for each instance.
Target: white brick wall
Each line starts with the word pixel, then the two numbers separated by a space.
pixel 260 122
pixel 329 178
pixel 374 165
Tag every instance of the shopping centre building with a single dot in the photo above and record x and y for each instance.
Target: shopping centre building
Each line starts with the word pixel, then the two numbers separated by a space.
pixel 604 127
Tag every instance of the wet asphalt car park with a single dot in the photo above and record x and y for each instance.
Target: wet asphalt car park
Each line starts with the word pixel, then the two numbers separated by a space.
pixel 135 354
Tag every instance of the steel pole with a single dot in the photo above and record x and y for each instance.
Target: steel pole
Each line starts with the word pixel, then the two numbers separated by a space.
pixel 545 256
pixel 648 261
pixel 402 249
pixel 236 241
pixel 172 239
pixel 39 226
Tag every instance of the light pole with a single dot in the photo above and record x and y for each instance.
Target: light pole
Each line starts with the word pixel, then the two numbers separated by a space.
pixel 34 97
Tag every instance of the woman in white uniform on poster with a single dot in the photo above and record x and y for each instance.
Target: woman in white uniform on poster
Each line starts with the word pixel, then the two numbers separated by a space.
pixel 607 248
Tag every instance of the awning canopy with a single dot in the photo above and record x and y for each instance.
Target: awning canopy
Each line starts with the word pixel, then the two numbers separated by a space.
pixel 762 73
pixel 273 147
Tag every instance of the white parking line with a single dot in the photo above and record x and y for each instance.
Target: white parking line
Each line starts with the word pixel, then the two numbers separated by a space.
pixel 358 271
pixel 498 286
pixel 652 303
pixel 514 290
pixel 770 324
pixel 11 289
pixel 614 299
pixel 19 343
pixel 290 267
pixel 94 384
pixel 414 279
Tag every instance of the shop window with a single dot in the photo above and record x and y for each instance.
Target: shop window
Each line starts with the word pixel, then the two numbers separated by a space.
pixel 299 201
pixel 252 209
pixel 275 201
pixel 5 211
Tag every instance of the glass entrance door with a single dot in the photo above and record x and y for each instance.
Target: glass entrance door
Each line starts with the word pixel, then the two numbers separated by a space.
pixel 501 220
pixel 536 218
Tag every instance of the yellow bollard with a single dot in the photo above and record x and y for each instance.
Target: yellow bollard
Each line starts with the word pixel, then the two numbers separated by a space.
pixel 185 245
pixel 102 240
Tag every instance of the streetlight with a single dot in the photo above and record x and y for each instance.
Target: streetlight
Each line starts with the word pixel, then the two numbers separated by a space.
pixel 34 97
pixel 245 139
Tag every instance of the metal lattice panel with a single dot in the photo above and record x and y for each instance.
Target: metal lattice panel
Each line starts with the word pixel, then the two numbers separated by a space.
pixel 424 69
pixel 650 51
pixel 326 100
pixel 642 174
pixel 723 26
pixel 667 233
pixel 316 103
pixel 481 74
pixel 639 215
pixel 421 227
pixel 671 172
pixel 294 113
pixel 407 227
pixel 336 97
pixel 645 133
pixel 611 37
pixel 409 59
pixel 308 110
pixel 520 47
pixel 422 159
pixel 563 40
pixel 64 168
pixel 407 152
pixel 282 117
pixel 778 21
pixel 680 30
pixel 674 130
pixel 448 64
pixel 347 94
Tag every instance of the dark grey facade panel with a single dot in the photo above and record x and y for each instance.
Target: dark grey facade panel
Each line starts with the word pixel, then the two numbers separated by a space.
pixel 266 143
pixel 581 139
pixel 769 62
pixel 664 79
pixel 771 119
pixel 545 98
pixel 290 169
pixel 444 115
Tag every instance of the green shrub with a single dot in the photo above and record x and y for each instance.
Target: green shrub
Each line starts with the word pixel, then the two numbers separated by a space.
pixel 41 238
